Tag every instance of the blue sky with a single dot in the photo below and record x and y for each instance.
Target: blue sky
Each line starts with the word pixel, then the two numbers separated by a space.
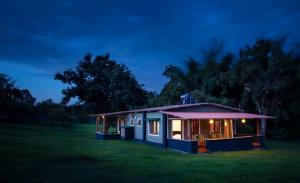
pixel 39 38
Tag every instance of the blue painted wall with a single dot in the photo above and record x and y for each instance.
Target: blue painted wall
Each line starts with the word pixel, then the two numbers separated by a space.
pixel 138 130
pixel 182 145
pixel 244 143
pixel 106 137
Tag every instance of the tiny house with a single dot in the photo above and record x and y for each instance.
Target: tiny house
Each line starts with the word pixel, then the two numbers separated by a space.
pixel 191 128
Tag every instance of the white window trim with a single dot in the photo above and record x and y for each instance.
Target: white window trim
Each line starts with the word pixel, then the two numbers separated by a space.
pixel 171 128
pixel 150 134
pixel 131 119
pixel 131 124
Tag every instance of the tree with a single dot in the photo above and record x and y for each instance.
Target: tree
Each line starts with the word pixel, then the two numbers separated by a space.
pixel 207 81
pixel 264 78
pixel 102 85
pixel 265 72
pixel 15 104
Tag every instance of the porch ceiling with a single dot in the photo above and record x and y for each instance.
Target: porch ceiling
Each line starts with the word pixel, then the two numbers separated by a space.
pixel 216 115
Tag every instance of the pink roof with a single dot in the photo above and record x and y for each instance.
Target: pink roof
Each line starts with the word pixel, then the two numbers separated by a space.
pixel 216 115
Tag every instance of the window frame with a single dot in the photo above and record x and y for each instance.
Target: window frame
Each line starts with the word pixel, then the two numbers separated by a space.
pixel 171 129
pixel 137 122
pixel 131 122
pixel 157 126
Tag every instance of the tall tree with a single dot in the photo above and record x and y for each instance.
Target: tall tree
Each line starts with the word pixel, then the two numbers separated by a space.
pixel 15 104
pixel 208 81
pixel 102 85
pixel 264 78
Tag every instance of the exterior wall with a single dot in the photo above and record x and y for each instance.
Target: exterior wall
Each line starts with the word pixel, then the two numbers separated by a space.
pixel 128 118
pixel 154 138
pixel 138 130
pixel 183 145
pixel 101 136
pixel 122 134
pixel 239 143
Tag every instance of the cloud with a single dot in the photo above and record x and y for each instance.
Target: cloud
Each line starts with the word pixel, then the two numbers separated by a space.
pixel 145 35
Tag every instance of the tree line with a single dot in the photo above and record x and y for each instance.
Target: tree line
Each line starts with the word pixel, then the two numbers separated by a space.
pixel 19 106
pixel 262 78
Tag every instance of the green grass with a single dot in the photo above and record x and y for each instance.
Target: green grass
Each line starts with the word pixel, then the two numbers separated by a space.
pixel 36 153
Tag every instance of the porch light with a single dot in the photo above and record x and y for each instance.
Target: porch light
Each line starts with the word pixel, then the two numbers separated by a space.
pixel 211 121
pixel 225 124
pixel 102 117
pixel 243 121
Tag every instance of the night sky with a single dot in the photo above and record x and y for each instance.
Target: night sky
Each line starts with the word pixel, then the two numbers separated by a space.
pixel 39 38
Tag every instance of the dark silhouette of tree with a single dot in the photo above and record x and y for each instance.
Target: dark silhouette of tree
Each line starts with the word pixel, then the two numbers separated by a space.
pixel 263 79
pixel 269 77
pixel 102 85
pixel 208 81
pixel 16 105
pixel 50 112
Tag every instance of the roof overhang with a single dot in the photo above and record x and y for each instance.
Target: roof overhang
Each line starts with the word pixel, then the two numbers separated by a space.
pixel 216 115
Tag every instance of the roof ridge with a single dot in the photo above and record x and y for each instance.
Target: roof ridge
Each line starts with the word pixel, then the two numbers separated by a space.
pixel 161 108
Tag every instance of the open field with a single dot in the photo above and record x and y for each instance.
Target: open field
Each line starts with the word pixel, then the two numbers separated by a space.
pixel 37 153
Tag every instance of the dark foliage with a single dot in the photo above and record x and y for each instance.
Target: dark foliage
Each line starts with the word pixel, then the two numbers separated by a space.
pixel 263 79
pixel 53 113
pixel 102 85
pixel 16 105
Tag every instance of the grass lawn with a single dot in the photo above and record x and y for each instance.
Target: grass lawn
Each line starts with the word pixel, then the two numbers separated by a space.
pixel 37 153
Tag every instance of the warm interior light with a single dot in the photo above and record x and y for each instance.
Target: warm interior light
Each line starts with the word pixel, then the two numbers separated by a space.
pixel 243 121
pixel 225 124
pixel 211 121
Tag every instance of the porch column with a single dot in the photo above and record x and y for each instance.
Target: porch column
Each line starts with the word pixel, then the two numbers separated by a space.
pixel 189 131
pixel 97 124
pixel 104 125
pixel 234 127
pixel 164 126
pixel 182 129
pixel 262 127
pixel 232 130
pixel 257 127
pixel 199 128
pixel 118 126
pixel 144 126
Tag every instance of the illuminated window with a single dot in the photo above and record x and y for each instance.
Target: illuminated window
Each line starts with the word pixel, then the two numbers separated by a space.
pixel 153 127
pixel 175 129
